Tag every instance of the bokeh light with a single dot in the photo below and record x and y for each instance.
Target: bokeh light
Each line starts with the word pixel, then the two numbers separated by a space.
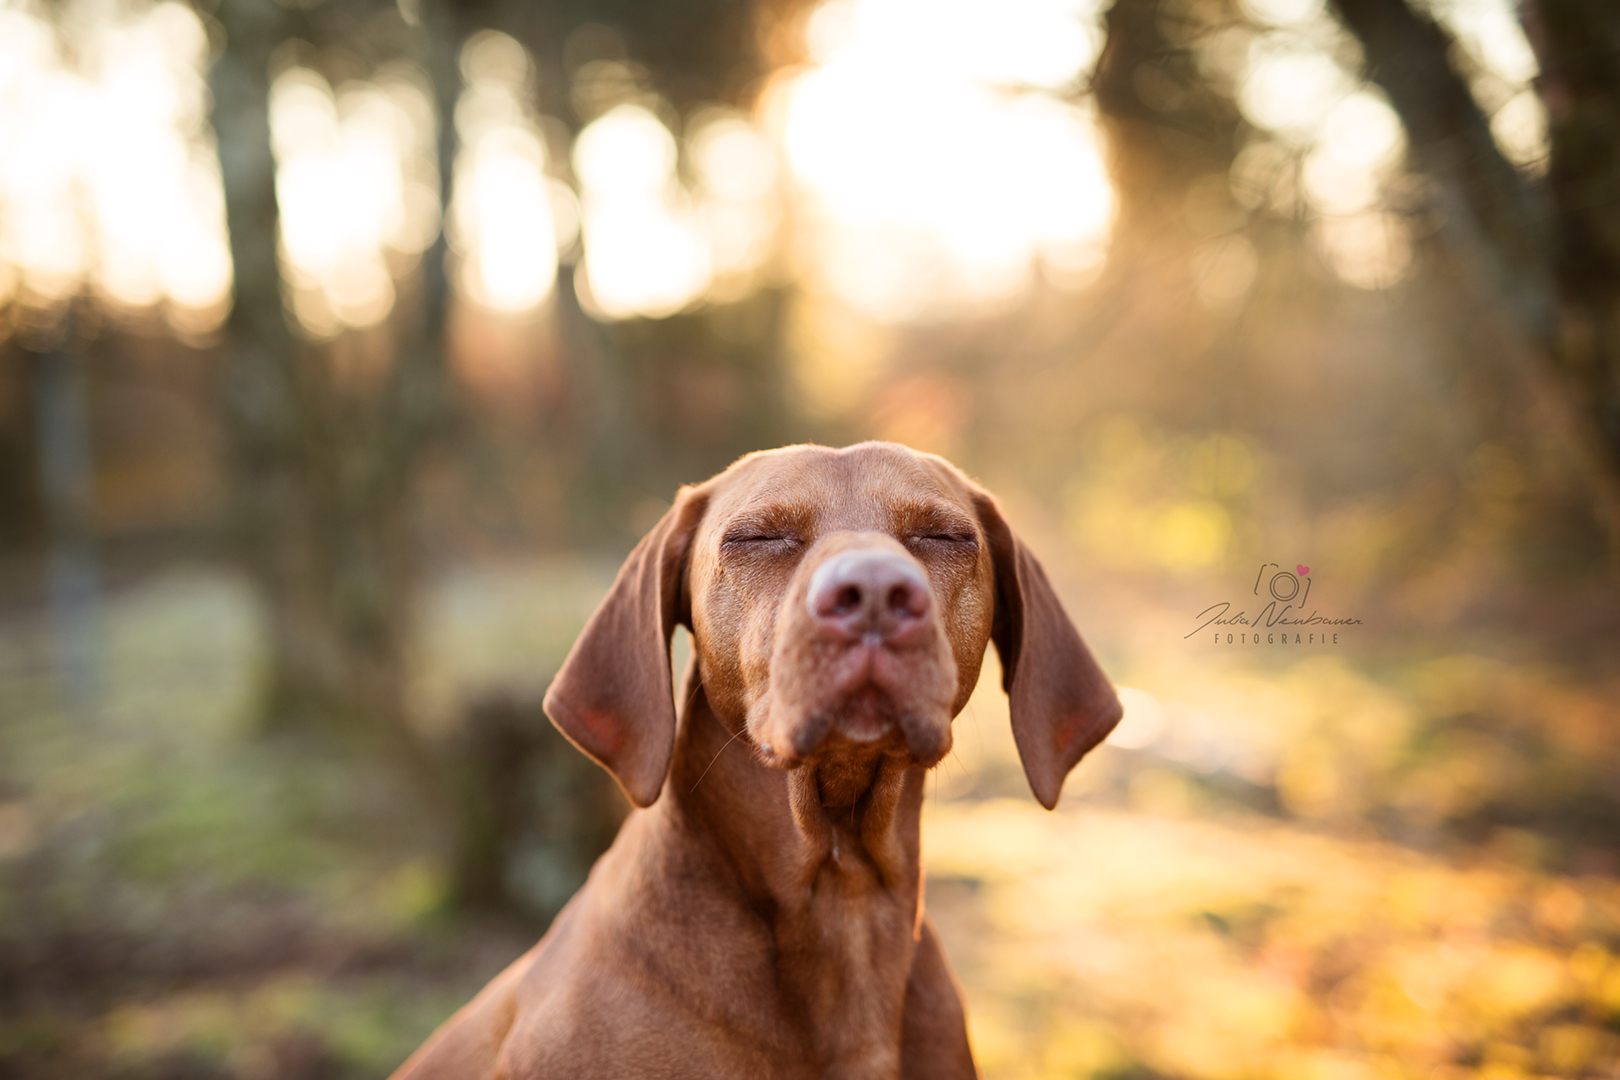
pixel 109 175
pixel 509 216
pixel 939 173
pixel 357 189
pixel 645 252
pixel 1291 86
pixel 738 198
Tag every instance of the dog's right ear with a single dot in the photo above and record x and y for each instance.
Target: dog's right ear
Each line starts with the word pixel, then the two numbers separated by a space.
pixel 1062 704
pixel 613 696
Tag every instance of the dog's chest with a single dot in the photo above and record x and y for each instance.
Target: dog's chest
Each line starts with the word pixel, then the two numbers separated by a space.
pixel 843 957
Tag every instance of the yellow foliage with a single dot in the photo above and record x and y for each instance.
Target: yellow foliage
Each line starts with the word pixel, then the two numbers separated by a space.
pixel 1240 947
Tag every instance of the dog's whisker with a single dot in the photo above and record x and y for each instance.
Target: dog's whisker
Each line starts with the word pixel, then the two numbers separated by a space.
pixel 716 757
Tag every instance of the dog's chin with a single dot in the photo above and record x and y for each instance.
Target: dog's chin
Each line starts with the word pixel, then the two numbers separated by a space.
pixel 866 716
pixel 862 723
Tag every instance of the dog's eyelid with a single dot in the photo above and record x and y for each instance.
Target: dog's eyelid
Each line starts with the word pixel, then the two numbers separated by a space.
pixel 962 539
pixel 758 536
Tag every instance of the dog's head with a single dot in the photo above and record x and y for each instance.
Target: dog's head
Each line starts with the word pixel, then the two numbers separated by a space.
pixel 840 603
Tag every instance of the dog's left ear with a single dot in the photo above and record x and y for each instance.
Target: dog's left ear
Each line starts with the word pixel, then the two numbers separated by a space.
pixel 1062 704
pixel 613 696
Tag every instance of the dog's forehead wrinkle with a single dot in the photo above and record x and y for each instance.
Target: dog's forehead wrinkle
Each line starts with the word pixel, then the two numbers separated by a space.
pixel 870 487
pixel 771 494
pixel 869 469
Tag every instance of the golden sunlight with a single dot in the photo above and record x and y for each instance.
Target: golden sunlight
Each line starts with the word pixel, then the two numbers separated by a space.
pixel 738 200
pixel 356 185
pixel 109 175
pixel 508 218
pixel 645 252
pixel 938 167
pixel 1494 37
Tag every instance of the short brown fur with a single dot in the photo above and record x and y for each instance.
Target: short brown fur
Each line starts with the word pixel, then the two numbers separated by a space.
pixel 761 914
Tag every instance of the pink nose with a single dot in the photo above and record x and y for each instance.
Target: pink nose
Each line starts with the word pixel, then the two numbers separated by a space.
pixel 860 593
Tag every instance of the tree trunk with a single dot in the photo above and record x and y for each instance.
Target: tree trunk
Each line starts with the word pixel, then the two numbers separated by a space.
pixel 323 468
pixel 1167 125
pixel 1578 45
pixel 1547 254
pixel 261 392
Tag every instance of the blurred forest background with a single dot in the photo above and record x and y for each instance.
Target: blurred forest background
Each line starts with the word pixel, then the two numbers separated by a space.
pixel 346 346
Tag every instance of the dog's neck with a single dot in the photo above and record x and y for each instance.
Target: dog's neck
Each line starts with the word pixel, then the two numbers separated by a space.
pixel 840 884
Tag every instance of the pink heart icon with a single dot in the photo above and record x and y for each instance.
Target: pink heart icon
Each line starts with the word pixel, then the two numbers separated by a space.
pixel 1302 568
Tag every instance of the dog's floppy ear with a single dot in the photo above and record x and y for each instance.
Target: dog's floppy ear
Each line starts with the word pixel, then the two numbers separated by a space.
pixel 612 696
pixel 1062 704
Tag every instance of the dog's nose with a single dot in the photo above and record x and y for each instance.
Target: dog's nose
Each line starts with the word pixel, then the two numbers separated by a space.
pixel 856 593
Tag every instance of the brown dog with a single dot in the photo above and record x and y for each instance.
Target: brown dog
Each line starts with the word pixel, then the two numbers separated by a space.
pixel 761 915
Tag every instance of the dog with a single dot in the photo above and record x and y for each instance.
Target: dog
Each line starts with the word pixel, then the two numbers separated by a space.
pixel 761 913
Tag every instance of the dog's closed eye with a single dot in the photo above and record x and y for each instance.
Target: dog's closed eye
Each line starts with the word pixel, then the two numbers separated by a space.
pixel 964 543
pixel 761 541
